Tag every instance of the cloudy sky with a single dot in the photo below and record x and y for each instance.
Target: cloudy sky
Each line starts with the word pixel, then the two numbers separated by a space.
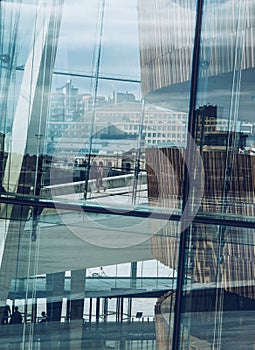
pixel 79 39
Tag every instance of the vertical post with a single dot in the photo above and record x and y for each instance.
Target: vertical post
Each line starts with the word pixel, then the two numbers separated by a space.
pixel 77 308
pixel 129 311
pixel 117 309
pixel 133 274
pixel 97 309
pixel 138 154
pixel 25 311
pixel 34 311
pixel 77 288
pixel 105 309
pixel 90 309
pixel 121 309
pixel 68 309
pixel 188 170
pixel 98 63
pixel 55 284
pixel 202 130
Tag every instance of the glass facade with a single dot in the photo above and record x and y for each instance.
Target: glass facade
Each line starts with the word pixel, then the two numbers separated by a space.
pixel 127 174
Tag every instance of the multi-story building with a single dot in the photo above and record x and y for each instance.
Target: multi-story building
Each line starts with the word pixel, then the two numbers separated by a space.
pixel 156 125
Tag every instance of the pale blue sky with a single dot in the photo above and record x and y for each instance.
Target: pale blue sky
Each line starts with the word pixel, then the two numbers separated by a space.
pixel 120 49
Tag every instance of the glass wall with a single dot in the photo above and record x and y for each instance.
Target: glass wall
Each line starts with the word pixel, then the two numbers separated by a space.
pixel 127 174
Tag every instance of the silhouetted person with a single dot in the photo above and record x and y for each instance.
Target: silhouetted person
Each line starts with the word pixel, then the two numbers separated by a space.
pixel 93 173
pixel 16 317
pixel 108 170
pixel 102 273
pixel 84 164
pixel 128 167
pixel 99 179
pixel 43 317
pixel 6 314
pixel 44 336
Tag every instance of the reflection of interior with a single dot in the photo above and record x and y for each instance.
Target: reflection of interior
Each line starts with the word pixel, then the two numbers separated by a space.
pixel 219 260
pixel 217 254
pixel 226 58
pixel 219 265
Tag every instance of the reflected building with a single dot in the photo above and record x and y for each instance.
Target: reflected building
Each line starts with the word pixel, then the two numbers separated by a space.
pixel 218 260
pixel 157 126
pixel 185 193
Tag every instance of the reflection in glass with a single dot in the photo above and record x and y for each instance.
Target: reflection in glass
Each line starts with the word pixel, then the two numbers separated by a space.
pixel 94 101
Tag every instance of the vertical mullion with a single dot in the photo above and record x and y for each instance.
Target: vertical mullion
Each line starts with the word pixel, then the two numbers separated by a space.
pixel 189 155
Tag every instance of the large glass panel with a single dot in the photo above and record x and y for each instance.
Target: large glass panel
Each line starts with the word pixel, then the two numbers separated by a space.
pixel 224 111
pixel 79 266
pixel 218 301
pixel 218 259
pixel 126 174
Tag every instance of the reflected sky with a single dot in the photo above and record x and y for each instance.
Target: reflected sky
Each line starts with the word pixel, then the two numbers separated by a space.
pixel 79 41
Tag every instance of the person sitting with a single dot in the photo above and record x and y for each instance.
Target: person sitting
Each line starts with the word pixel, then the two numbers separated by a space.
pixel 16 316
pixel 43 317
